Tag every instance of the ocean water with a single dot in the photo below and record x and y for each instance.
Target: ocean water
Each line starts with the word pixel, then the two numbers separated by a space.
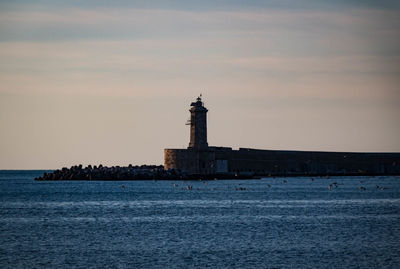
pixel 268 223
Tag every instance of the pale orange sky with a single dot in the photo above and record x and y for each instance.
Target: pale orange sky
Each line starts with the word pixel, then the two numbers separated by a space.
pixel 97 84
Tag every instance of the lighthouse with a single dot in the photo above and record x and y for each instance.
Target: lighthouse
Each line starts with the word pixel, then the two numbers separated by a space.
pixel 198 125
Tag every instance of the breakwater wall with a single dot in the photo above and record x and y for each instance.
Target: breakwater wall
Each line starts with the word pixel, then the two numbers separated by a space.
pixel 258 162
pixel 143 172
pixel 78 172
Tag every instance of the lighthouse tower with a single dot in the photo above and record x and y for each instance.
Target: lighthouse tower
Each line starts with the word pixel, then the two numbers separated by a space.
pixel 198 125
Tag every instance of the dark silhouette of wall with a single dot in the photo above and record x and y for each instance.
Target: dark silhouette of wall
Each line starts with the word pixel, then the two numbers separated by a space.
pixel 280 162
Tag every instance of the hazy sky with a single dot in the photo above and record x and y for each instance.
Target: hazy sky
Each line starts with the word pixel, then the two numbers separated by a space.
pixel 110 82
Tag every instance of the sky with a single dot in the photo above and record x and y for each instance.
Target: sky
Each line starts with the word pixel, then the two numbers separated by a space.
pixel 111 82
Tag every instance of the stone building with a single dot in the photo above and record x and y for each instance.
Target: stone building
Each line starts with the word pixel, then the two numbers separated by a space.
pixel 199 158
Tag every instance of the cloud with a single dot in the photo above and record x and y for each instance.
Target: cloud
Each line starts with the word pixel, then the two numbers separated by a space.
pixel 133 24
pixel 94 66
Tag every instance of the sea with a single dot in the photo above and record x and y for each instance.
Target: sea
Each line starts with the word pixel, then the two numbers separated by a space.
pixel 302 222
